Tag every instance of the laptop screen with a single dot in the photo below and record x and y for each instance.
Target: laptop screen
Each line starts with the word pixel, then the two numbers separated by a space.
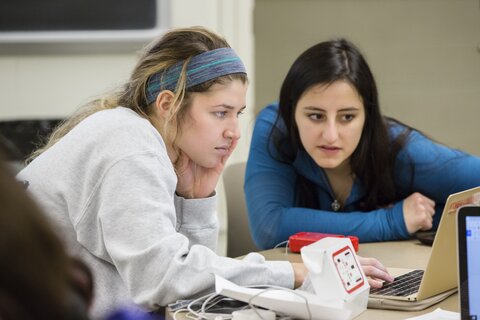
pixel 469 261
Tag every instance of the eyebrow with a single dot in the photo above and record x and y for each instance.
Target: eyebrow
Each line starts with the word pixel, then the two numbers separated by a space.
pixel 227 106
pixel 312 108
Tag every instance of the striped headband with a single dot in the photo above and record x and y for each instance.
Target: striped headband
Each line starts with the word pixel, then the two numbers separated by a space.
pixel 201 68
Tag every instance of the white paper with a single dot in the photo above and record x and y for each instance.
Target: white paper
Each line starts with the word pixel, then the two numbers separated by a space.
pixel 284 301
pixel 438 314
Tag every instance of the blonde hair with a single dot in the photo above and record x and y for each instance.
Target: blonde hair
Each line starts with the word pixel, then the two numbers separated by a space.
pixel 178 45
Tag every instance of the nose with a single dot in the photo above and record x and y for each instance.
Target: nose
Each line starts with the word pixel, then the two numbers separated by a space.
pixel 233 132
pixel 330 132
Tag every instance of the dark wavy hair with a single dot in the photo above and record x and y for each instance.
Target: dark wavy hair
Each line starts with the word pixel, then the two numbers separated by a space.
pixel 373 159
pixel 38 280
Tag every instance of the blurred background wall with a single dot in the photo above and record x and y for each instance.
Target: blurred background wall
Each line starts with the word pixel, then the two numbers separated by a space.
pixel 425 55
pixel 51 80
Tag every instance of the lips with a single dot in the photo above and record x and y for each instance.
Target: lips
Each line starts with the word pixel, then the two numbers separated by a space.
pixel 330 148
pixel 223 149
pixel 226 147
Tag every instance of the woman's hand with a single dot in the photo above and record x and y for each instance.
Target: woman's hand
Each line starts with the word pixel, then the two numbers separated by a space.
pixel 195 181
pixel 418 212
pixel 375 271
pixel 300 272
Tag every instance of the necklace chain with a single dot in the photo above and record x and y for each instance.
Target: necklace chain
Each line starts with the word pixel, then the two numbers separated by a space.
pixel 342 196
pixel 337 204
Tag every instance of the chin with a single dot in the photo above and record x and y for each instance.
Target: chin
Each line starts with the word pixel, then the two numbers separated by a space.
pixel 328 164
pixel 208 163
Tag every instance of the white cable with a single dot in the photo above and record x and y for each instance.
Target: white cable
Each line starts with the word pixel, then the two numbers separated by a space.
pixel 190 316
pixel 271 288
pixel 212 304
pixel 177 311
pixel 281 243
pixel 195 313
pixel 286 247
pixel 212 299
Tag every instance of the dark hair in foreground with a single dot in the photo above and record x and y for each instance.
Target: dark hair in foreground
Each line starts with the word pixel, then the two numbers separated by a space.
pixel 37 279
pixel 372 161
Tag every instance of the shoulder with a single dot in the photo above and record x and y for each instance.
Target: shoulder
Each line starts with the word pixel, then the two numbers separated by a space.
pixel 267 118
pixel 396 128
pixel 106 137
pixel 411 136
pixel 270 112
pixel 115 119
pixel 418 147
pixel 119 127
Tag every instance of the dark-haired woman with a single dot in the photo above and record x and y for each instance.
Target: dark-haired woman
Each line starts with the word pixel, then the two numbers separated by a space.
pixel 324 159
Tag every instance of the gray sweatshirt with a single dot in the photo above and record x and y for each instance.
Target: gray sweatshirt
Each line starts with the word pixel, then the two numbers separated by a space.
pixel 109 188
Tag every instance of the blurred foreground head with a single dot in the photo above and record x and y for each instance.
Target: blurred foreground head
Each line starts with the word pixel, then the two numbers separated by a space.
pixel 37 279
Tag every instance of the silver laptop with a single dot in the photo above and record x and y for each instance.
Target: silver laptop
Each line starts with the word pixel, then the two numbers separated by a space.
pixel 468 236
pixel 418 289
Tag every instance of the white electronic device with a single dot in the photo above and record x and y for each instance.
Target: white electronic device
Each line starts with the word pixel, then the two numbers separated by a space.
pixel 336 287
pixel 336 274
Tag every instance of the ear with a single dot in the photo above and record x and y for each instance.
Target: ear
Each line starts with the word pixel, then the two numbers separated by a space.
pixel 164 102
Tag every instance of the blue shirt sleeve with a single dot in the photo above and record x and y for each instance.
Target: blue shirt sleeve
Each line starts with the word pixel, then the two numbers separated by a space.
pixel 435 170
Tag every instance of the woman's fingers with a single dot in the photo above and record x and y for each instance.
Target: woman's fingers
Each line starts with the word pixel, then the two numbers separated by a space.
pixel 418 211
pixel 375 270
pixel 375 283
pixel 371 262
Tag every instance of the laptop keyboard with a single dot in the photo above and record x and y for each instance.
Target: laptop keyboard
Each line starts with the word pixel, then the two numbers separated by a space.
pixel 402 286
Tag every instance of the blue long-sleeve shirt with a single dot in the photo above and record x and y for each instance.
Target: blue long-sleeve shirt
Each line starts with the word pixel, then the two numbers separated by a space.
pixel 438 171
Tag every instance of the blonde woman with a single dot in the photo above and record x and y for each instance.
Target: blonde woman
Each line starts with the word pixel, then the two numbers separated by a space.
pixel 130 181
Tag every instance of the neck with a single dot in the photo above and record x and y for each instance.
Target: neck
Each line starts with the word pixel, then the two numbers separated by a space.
pixel 171 151
pixel 341 171
pixel 341 182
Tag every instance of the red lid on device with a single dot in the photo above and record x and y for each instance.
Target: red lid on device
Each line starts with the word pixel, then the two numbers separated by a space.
pixel 300 239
